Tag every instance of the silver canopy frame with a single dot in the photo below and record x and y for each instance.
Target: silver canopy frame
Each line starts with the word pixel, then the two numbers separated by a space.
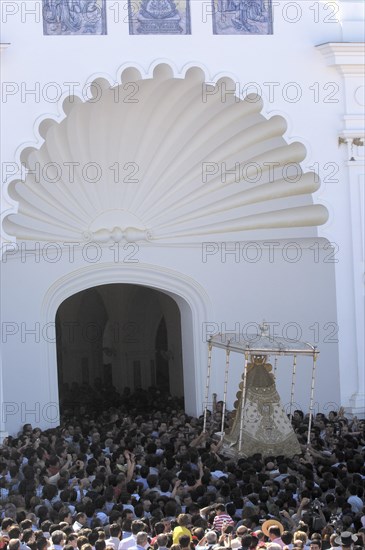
pixel 262 344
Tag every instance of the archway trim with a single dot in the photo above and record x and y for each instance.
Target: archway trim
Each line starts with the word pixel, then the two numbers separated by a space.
pixel 185 291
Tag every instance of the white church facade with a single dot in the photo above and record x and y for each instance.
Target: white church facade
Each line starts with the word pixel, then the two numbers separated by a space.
pixel 172 172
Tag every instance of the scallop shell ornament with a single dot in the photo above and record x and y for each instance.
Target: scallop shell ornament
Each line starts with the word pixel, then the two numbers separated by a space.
pixel 167 160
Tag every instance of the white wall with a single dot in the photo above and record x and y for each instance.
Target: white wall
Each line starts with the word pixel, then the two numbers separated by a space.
pixel 296 298
pixel 284 292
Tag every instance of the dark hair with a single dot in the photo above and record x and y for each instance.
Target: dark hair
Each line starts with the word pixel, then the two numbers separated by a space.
pixel 114 529
pixel 42 543
pixel 220 507
pixel 27 535
pixel 274 530
pixel 287 537
pixel 25 524
pixel 159 527
pixel 14 532
pixel 58 536
pixel 184 541
pixel 162 539
pixel 81 541
pixel 100 544
pixel 6 522
pixel 246 541
pixel 137 526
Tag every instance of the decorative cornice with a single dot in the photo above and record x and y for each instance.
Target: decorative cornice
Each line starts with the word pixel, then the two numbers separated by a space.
pixel 348 57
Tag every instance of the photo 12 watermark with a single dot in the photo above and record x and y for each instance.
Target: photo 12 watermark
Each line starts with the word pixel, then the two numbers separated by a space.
pixel 54 252
pixel 70 172
pixel 70 332
pixel 34 412
pixel 252 252
pixel 292 331
pixel 272 91
pixel 266 172
pixel 236 17
pixel 53 92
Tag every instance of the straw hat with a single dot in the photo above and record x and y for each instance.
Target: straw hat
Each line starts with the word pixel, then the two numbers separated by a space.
pixel 270 523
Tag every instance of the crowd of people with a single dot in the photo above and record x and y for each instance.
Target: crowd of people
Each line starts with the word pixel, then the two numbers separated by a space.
pixel 145 474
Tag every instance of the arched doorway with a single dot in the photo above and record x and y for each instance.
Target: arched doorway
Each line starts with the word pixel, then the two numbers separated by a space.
pixel 115 340
pixel 162 356
pixel 191 298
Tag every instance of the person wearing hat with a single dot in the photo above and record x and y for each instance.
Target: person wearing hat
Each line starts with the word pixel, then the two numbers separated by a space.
pixel 273 529
pixel 346 539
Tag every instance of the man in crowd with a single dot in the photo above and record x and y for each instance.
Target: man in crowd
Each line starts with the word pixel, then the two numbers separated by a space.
pixel 106 477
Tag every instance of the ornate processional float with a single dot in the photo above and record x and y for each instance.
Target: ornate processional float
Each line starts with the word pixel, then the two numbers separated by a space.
pixel 260 424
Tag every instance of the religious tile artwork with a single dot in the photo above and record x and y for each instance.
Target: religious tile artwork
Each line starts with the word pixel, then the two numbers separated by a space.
pixel 159 17
pixel 242 16
pixel 73 17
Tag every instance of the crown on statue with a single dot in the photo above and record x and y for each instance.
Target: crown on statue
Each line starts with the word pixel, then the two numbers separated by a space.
pixel 258 359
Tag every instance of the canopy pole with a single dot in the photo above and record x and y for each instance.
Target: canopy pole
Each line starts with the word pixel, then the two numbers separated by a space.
pixel 292 387
pixel 214 404
pixel 243 401
pixel 311 398
pixel 207 384
pixel 225 390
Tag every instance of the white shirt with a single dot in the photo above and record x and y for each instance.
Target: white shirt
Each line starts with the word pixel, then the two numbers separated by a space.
pixel 356 503
pixel 127 543
pixel 113 541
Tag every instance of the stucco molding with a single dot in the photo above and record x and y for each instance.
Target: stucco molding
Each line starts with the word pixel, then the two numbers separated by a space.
pixel 348 57
pixel 162 159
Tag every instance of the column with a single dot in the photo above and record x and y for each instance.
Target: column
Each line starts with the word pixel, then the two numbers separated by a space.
pixel 348 58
